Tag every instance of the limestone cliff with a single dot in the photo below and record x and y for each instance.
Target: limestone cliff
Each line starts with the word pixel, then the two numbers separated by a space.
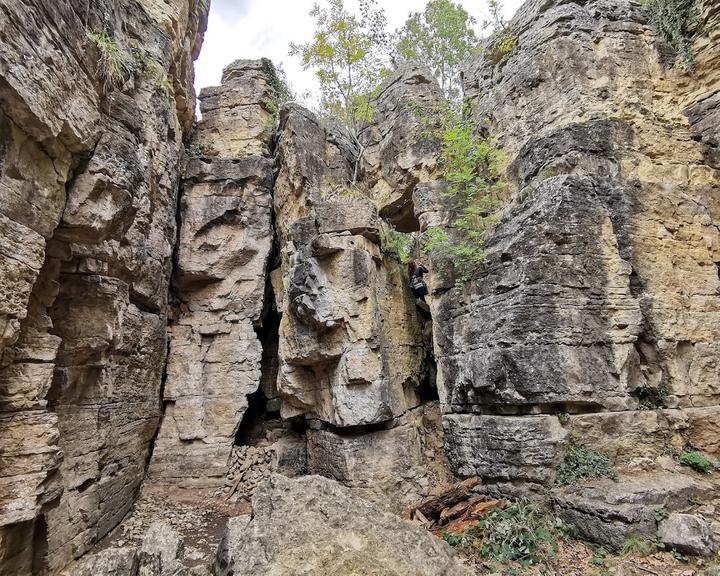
pixel 224 246
pixel 601 283
pixel 596 313
pixel 88 190
pixel 210 303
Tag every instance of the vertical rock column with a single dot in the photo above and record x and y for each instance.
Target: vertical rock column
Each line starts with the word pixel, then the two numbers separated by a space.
pixel 89 171
pixel 350 353
pixel 224 245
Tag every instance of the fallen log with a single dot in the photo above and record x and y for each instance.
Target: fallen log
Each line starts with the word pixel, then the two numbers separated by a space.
pixel 432 507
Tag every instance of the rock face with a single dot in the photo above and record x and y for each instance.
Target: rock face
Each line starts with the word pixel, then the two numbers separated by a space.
pixel 88 187
pixel 600 294
pixel 314 526
pixel 352 356
pixel 397 152
pixel 350 346
pixel 224 246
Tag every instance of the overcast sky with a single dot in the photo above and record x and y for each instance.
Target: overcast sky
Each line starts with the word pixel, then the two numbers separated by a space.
pixel 265 28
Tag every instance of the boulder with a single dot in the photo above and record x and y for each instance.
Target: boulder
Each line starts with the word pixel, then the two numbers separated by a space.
pixel 313 526
pixel 689 534
pixel 111 561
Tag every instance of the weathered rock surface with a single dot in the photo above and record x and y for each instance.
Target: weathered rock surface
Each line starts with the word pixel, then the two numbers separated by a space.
pixel 690 534
pixel 393 467
pixel 350 351
pixel 608 512
pixel 314 526
pixel 398 152
pixel 223 252
pixel 161 554
pixel 600 289
pixel 88 187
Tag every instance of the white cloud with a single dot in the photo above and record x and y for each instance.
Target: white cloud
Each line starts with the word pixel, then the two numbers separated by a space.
pixel 265 28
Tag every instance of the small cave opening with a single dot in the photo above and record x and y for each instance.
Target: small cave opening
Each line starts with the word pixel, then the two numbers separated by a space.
pixel 427 390
pixel 263 411
pixel 40 563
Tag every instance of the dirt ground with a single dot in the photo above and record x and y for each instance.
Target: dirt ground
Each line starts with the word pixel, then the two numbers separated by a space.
pixel 199 520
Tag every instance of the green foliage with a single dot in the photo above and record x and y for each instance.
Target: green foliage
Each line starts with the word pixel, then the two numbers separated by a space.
pixel 394 244
pixel 195 150
pixel 674 21
pixel 641 545
pixel 519 532
pixel 652 397
pixel 348 56
pixel 471 166
pixel 599 557
pixel 661 513
pixel 441 37
pixel 114 65
pixel 695 460
pixel 679 556
pixel 503 40
pixel 580 462
pixel 153 70
pixel 563 417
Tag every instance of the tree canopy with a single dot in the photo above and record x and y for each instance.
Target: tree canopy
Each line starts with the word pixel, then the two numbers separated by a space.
pixel 348 54
pixel 441 37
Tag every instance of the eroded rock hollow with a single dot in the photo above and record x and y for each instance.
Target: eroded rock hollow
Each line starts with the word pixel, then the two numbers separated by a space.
pixel 198 305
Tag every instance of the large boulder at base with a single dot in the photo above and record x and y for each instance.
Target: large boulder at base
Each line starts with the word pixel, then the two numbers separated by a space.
pixel 314 526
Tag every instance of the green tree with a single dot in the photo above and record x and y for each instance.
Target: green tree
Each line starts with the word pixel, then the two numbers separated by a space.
pixel 348 55
pixel 441 37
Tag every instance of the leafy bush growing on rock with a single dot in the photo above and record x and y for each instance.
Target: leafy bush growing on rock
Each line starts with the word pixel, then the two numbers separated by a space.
pixel 394 244
pixel 470 164
pixel 695 460
pixel 580 462
pixel 519 532
pixel 652 397
pixel 674 21
pixel 114 64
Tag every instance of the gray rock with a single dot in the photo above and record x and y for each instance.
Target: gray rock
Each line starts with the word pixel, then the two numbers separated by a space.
pixel 109 562
pixel 313 526
pixel 689 534
pixel 608 512
pixel 162 551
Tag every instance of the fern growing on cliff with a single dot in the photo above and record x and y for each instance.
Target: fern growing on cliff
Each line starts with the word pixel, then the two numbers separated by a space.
pixel 674 21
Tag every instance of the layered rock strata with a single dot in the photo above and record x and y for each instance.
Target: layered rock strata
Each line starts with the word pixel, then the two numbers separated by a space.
pixel 88 187
pixel 600 295
pixel 224 245
pixel 352 357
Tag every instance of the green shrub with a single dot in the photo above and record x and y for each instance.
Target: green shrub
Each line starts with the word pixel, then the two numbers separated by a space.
pixel 394 244
pixel 661 514
pixel 652 397
pixel 153 70
pixel 471 166
pixel 580 462
pixel 114 64
pixel 674 21
pixel 519 532
pixel 599 557
pixel 563 417
pixel 501 45
pixel 695 460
